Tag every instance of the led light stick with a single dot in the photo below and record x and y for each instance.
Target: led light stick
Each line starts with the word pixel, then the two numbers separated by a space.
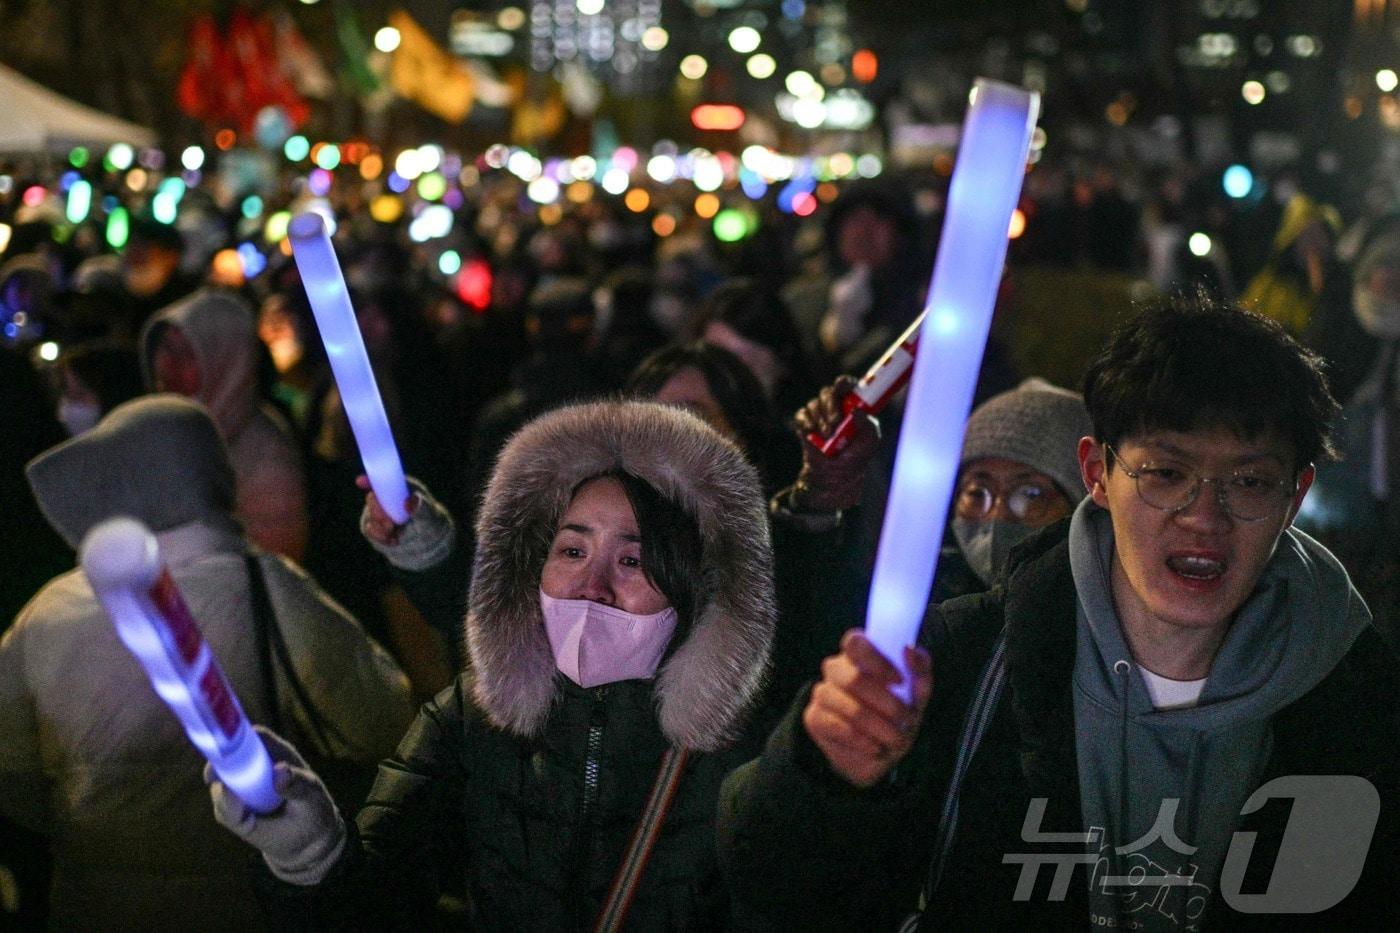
pixel 122 562
pixel 325 289
pixel 881 381
pixel 985 187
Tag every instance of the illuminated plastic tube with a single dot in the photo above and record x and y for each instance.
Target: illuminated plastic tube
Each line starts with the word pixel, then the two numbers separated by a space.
pixel 985 187
pixel 122 562
pixel 325 288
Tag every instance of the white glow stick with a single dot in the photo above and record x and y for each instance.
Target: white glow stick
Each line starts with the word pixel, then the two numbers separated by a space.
pixel 122 562
pixel 359 393
pixel 985 187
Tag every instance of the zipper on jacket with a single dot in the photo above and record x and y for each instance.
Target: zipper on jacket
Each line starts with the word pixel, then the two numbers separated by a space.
pixel 592 758
pixel 582 848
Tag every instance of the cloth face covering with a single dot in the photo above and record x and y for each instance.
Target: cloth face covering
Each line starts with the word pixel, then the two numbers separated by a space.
pixel 987 544
pixel 595 644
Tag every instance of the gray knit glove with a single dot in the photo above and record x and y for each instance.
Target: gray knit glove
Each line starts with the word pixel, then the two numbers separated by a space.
pixel 301 840
pixel 423 541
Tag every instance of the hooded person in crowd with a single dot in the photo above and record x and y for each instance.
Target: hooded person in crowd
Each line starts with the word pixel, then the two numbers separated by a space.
pixel 206 348
pixel 90 755
pixel 618 629
pixel 1149 675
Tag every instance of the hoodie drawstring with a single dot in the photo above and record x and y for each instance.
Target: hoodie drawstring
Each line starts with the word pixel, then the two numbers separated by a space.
pixel 1123 668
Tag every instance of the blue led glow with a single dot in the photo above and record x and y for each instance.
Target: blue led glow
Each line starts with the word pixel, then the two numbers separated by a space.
pixel 122 562
pixel 984 189
pixel 1238 181
pixel 753 184
pixel 330 302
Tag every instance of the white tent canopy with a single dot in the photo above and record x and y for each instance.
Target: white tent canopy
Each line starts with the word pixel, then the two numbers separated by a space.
pixel 36 119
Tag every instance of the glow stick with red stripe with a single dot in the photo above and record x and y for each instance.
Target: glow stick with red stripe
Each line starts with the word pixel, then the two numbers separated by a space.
pixel 122 561
pixel 881 381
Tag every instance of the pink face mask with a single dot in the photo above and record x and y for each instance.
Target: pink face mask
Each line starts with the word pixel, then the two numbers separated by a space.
pixel 596 644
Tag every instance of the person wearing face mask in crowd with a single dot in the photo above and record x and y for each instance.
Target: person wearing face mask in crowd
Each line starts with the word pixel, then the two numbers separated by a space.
pixel 618 628
pixel 1017 473
pixel 94 378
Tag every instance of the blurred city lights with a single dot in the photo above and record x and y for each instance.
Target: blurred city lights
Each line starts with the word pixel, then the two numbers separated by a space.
pixel 590 7
pixel 1199 244
pixel 449 262
pixel 655 39
pixel 118 228
pixel 120 157
pixel 5 231
pixel 387 39
pixel 409 164
pixel 730 226
pixel 543 190
pixel 1253 92
pixel 192 158
pixel 254 262
pixel 864 66
pixel 296 148
pixel 694 67
pixel 276 227
pixel 1387 80
pixel 386 208
pixel 328 157
pixel 1018 224
pixel 1238 181
pixel 637 200
pixel 79 201
pixel 762 66
pixel 432 186
pixel 615 181
pixel 802 84
pixel 707 206
pixel 717 117
pixel 48 351
pixel 662 168
pixel 744 39
pixel 78 156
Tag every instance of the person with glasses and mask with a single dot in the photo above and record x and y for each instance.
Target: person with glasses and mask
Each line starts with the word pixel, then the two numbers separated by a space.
pixel 1163 680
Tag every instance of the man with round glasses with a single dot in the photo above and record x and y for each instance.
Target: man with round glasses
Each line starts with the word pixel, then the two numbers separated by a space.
pixel 1173 713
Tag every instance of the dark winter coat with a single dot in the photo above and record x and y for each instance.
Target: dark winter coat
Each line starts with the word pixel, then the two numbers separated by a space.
pixel 535 784
pixel 865 854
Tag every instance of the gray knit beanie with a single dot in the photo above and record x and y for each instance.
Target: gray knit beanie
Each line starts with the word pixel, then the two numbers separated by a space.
pixel 1037 424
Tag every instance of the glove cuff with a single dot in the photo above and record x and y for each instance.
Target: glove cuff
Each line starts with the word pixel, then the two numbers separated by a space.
pixel 313 864
pixel 425 540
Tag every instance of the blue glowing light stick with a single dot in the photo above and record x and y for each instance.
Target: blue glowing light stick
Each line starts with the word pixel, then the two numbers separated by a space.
pixel 122 562
pixel 985 187
pixel 325 289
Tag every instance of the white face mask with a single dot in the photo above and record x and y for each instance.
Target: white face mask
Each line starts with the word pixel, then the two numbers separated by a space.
pixel 595 644
pixel 78 417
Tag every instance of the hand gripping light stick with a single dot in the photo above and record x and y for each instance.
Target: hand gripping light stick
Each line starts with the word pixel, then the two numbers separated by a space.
pixel 122 562
pixel 985 187
pixel 881 381
pixel 330 302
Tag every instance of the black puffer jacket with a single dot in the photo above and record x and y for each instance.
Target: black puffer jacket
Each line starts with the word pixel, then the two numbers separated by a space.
pixel 865 854
pixel 534 784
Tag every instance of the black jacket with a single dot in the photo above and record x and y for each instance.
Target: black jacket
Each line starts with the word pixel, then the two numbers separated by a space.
pixel 865 854
pixel 538 826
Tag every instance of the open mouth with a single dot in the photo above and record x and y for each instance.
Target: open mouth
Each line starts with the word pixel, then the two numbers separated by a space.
pixel 1196 567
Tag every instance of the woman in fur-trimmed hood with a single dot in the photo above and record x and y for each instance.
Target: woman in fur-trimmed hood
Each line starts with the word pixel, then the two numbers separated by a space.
pixel 598 649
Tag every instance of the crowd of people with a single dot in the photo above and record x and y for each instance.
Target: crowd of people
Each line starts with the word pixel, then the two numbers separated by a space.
pixel 623 598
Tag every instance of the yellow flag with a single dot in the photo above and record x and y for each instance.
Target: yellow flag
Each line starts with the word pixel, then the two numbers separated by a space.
pixel 424 73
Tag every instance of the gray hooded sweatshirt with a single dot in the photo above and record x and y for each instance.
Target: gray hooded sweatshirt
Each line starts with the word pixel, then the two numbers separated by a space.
pixel 1192 767
pixel 89 755
pixel 267 465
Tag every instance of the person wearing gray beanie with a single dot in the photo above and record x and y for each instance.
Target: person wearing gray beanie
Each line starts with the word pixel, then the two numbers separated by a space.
pixel 1019 471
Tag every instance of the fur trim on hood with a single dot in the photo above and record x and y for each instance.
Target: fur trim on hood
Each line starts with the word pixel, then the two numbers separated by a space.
pixel 708 683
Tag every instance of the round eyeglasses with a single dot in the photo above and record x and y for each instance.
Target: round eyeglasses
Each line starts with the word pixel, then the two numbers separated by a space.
pixel 1246 495
pixel 1029 502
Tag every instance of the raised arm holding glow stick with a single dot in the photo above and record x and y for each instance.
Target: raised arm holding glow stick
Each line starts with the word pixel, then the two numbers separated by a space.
pixel 985 187
pixel 122 562
pixel 330 302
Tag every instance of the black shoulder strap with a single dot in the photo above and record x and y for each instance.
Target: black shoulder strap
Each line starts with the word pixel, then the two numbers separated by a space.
pixel 273 654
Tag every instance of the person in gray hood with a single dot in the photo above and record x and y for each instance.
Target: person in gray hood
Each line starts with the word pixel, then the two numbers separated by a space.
pixel 90 756
pixel 206 347
pixel 1124 707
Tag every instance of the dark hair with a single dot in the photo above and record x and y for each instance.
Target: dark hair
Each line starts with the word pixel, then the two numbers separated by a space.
pixel 671 546
pixel 768 446
pixel 1193 363
pixel 757 312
